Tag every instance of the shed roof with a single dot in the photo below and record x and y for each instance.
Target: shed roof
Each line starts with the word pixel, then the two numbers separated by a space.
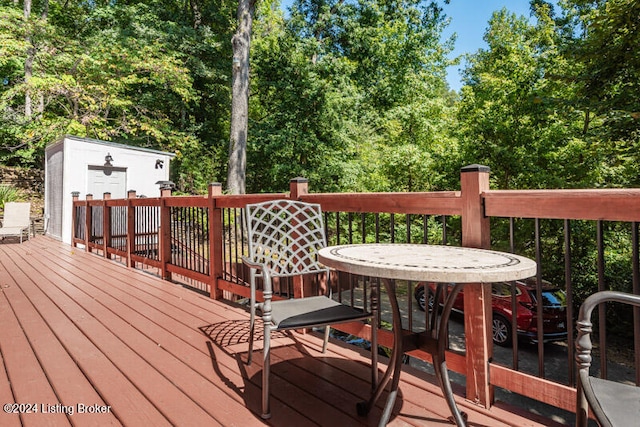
pixel 109 144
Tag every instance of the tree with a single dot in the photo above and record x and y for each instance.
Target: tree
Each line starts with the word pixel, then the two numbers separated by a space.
pixel 517 111
pixel 241 41
pixel 339 86
pixel 151 74
pixel 603 41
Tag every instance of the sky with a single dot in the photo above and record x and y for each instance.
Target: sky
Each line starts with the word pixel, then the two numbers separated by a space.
pixel 469 20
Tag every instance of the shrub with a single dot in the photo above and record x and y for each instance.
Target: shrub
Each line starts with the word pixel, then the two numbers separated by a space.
pixel 8 194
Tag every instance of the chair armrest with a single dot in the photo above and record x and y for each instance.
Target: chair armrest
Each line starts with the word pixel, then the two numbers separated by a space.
pixel 584 325
pixel 587 395
pixel 266 276
pixel 252 264
pixel 606 296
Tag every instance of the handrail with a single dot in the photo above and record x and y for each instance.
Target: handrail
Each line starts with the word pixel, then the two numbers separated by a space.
pixel 589 204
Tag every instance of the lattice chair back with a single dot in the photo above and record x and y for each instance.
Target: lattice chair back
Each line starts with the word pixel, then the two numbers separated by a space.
pixel 285 236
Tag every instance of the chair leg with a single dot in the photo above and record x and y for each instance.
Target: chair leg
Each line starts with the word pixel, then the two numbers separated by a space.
pixel 252 327
pixel 266 371
pixel 252 316
pixel 582 407
pixel 327 330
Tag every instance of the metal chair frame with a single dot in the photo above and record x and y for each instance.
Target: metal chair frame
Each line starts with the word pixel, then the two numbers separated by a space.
pixel 284 237
pixel 612 403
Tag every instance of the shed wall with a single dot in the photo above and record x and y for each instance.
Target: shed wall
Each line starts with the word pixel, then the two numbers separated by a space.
pixel 68 164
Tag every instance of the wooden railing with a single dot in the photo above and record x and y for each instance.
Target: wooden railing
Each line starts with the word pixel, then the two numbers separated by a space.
pixel 204 241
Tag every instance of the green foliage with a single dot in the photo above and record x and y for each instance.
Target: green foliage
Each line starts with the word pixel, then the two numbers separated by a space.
pixel 348 94
pixel 516 111
pixel 345 90
pixel 8 194
pixel 146 74
pixel 604 46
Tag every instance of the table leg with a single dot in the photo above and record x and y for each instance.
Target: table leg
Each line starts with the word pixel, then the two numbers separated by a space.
pixel 375 310
pixel 439 361
pixel 395 364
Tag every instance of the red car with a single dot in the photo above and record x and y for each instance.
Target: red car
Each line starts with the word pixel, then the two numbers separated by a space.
pixel 554 310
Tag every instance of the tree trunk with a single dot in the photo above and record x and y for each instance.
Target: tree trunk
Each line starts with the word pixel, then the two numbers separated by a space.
pixel 240 99
pixel 28 63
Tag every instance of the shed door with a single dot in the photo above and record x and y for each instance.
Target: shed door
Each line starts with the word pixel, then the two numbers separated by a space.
pixel 107 180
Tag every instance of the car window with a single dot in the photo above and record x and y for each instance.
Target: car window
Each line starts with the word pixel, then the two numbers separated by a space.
pixel 503 289
pixel 554 298
pixel 499 290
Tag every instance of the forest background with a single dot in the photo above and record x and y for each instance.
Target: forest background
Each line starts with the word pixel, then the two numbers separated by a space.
pixel 351 94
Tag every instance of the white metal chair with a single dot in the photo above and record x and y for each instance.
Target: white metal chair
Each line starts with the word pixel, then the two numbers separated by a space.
pixel 16 220
pixel 284 238
pixel 612 403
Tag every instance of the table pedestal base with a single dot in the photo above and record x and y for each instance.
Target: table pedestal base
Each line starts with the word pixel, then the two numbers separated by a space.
pixel 434 340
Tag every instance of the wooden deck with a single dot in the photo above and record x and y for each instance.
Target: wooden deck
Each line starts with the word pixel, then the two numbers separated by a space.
pixel 85 341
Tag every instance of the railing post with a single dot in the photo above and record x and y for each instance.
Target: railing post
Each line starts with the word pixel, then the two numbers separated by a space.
pixel 106 225
pixel 164 233
pixel 298 187
pixel 131 228
pixel 88 221
pixel 474 180
pixel 215 241
pixel 75 196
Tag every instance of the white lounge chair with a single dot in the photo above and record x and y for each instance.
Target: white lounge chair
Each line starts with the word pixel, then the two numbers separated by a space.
pixel 16 220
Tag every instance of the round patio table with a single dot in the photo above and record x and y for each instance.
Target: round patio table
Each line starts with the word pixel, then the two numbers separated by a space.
pixel 432 263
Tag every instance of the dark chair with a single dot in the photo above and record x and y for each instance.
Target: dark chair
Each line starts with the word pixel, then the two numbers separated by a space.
pixel 612 403
pixel 284 238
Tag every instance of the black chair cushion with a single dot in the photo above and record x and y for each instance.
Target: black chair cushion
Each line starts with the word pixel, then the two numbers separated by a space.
pixel 312 311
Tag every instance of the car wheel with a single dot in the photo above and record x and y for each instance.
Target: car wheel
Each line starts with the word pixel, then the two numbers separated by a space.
pixel 424 299
pixel 420 298
pixel 431 300
pixel 501 331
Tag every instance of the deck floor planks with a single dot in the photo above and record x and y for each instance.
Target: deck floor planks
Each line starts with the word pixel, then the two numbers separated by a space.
pixel 309 398
pixel 342 395
pixel 131 365
pixel 298 392
pixel 28 381
pixel 188 336
pixel 6 396
pixel 178 359
pixel 116 343
pixel 205 361
pixel 70 385
pixel 127 402
pixel 316 390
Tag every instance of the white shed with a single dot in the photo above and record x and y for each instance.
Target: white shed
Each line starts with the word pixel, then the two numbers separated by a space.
pixel 91 166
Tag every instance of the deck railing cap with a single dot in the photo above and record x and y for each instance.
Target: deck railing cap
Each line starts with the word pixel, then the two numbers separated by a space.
pixel 475 168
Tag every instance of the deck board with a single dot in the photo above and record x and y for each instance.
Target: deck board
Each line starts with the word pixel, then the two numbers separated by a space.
pixel 78 328
pixel 59 368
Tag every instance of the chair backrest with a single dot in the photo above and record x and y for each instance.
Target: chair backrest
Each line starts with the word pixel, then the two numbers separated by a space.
pixel 285 236
pixel 16 214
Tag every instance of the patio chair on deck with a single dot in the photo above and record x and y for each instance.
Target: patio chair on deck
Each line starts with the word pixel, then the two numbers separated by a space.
pixel 284 239
pixel 16 220
pixel 612 403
